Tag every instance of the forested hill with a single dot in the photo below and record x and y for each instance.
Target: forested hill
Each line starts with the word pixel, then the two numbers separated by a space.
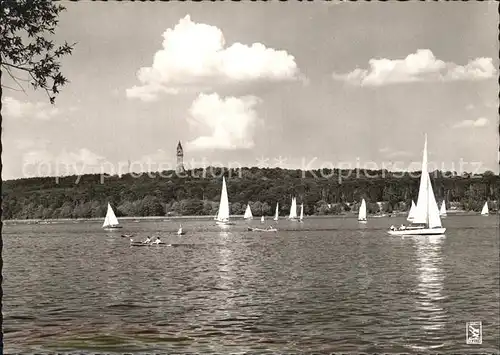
pixel 157 194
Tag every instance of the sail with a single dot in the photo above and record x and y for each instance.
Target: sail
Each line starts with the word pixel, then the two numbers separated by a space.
pixel 293 209
pixel 262 219
pixel 110 219
pixel 362 211
pixel 485 210
pixel 223 214
pixel 420 215
pixel 442 211
pixel 411 214
pixel 301 211
pixel 248 213
pixel 434 220
pixel 427 210
pixel 276 215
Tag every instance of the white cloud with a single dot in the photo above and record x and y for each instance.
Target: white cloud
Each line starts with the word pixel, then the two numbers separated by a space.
pixel 41 162
pixel 400 154
pixel 13 108
pixel 82 156
pixel 149 92
pixel 25 143
pixel 480 122
pixel 195 54
pixel 492 104
pixel 229 121
pixel 392 153
pixel 159 156
pixel 418 67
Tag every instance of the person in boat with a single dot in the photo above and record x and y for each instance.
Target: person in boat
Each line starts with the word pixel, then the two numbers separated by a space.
pixel 392 228
pixel 403 227
pixel 148 240
pixel 157 241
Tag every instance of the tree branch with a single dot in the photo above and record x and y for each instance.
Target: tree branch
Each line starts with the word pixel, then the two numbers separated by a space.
pixel 51 98
pixel 15 80
pixel 13 89
pixel 5 65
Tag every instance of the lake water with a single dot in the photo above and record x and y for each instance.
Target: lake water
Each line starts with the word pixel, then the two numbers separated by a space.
pixel 327 285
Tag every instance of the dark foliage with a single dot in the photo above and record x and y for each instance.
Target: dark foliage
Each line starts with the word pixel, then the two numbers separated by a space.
pixel 25 48
pixel 157 195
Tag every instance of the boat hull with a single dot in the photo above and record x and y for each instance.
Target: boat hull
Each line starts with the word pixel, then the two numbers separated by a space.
pixel 223 223
pixel 112 228
pixel 362 221
pixel 139 244
pixel 418 231
pixel 261 230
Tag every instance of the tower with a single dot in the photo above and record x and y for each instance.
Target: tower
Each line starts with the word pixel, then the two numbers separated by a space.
pixel 180 157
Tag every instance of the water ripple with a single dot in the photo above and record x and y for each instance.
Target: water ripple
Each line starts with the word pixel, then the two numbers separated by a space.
pixel 325 287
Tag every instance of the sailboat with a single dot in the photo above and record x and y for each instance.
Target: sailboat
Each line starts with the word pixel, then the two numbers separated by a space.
pixel 485 211
pixel 426 220
pixel 110 221
pixel 362 212
pixel 276 214
pixel 293 210
pixel 411 214
pixel 301 217
pixel 248 213
pixel 262 219
pixel 442 211
pixel 223 214
pixel 180 231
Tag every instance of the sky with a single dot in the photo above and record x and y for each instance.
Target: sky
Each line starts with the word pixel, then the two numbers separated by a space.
pixel 296 85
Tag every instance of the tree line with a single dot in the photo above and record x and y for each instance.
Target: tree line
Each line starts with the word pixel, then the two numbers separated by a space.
pixel 196 193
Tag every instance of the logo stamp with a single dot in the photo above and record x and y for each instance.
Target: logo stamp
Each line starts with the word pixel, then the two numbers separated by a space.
pixel 474 333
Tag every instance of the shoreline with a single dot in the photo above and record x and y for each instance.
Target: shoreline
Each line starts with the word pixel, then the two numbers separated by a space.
pixel 173 218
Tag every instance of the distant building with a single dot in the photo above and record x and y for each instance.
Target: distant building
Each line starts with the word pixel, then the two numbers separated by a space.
pixel 180 159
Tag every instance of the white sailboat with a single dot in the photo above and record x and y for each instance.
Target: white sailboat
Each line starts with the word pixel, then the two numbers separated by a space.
pixel 442 211
pixel 485 211
pixel 411 214
pixel 262 219
pixel 276 214
pixel 362 212
pixel 110 221
pixel 293 210
pixel 248 213
pixel 223 214
pixel 180 231
pixel 426 220
pixel 301 217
